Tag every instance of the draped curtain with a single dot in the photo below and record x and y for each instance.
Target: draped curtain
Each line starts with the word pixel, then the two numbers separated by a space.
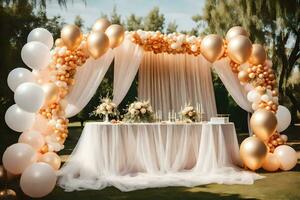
pixel 171 81
pixel 87 79
pixel 128 57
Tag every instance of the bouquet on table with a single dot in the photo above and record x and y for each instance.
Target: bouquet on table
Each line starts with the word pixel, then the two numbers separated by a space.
pixel 189 114
pixel 139 111
pixel 106 108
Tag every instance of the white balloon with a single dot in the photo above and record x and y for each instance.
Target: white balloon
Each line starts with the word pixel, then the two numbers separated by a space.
pixel 287 157
pixel 38 180
pixel 18 76
pixel 284 118
pixel 41 35
pixel 265 98
pixel 36 55
pixel 255 105
pixel 253 96
pixel 30 97
pixel 18 119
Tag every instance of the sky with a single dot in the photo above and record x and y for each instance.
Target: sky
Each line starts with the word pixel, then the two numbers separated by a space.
pixel 179 11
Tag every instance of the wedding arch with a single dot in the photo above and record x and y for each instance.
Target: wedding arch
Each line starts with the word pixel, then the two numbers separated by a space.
pixel 174 69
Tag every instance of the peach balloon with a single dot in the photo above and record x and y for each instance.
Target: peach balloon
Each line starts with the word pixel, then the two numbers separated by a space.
pixel 239 49
pixel 52 159
pixel 38 180
pixel 286 156
pixel 258 54
pixel 51 91
pixel 284 137
pixel 33 138
pixel 235 31
pixel 41 125
pixel 18 157
pixel 212 47
pixel 101 25
pixel 41 76
pixel 271 163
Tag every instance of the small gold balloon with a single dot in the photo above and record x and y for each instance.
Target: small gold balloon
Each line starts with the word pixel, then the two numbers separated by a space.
pixel 235 31
pixel 258 55
pixel 59 42
pixel 115 33
pixel 253 152
pixel 239 49
pixel 243 76
pixel 212 47
pixel 263 123
pixel 8 194
pixel 71 36
pixel 51 92
pixel 97 44
pixel 101 25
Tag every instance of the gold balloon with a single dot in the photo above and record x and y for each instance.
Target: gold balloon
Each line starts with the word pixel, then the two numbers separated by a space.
pixel 51 92
pixel 212 47
pixel 235 31
pixel 71 36
pixel 101 25
pixel 8 194
pixel 243 76
pixel 239 49
pixel 258 55
pixel 271 163
pixel 97 44
pixel 263 123
pixel 59 42
pixel 253 152
pixel 115 34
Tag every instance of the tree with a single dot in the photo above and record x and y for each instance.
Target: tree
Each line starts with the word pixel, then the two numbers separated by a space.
pixel 172 27
pixel 79 21
pixel 115 18
pixel 274 23
pixel 154 21
pixel 134 22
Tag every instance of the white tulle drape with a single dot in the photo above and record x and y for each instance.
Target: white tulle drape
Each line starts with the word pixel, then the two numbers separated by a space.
pixel 87 79
pixel 232 83
pixel 171 81
pixel 128 57
pixel 137 156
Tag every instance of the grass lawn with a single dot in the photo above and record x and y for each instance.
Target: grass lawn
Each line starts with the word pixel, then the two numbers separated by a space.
pixel 279 185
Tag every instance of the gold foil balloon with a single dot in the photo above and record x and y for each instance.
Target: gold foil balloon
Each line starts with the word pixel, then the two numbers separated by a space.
pixel 101 25
pixel 258 55
pixel 239 49
pixel 97 44
pixel 243 76
pixel 235 31
pixel 8 194
pixel 271 163
pixel 212 47
pixel 115 34
pixel 51 92
pixel 59 42
pixel 263 123
pixel 253 152
pixel 71 36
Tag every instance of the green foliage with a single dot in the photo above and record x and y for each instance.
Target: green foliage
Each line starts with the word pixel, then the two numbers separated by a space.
pixel 134 23
pixel 172 27
pixel 154 21
pixel 79 22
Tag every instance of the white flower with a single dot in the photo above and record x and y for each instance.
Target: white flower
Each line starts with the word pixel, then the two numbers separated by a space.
pixel 109 108
pixel 143 110
pixel 191 113
pixel 132 111
pixel 138 105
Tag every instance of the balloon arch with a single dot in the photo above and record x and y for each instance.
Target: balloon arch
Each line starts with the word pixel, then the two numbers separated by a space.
pixel 40 94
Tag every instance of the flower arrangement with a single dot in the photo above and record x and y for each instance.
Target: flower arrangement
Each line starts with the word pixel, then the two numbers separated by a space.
pixel 189 114
pixel 139 111
pixel 106 108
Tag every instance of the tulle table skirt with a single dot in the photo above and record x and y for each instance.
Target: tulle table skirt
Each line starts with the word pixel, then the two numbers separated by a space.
pixel 149 155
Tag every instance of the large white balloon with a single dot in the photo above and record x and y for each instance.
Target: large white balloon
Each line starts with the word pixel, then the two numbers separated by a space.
pixel 30 97
pixel 18 76
pixel 253 96
pixel 284 118
pixel 41 35
pixel 17 157
pixel 36 55
pixel 18 119
pixel 287 157
pixel 38 180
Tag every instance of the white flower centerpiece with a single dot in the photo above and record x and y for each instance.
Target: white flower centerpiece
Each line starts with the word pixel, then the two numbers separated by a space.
pixel 189 114
pixel 139 111
pixel 107 109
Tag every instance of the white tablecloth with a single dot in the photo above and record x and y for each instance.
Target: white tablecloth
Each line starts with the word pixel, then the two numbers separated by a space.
pixel 138 156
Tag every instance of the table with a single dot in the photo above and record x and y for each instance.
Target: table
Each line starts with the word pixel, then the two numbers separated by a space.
pixel 146 155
